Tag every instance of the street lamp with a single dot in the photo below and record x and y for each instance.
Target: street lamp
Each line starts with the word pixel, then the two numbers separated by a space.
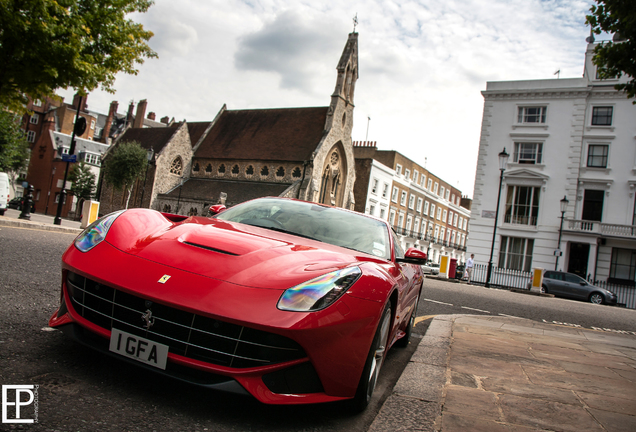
pixel 503 161
pixel 430 241
pixel 149 156
pixel 564 206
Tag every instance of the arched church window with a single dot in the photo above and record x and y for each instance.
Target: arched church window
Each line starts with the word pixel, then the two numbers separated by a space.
pixel 196 167
pixel 296 173
pixel 344 119
pixel 176 167
pixel 280 172
pixel 235 169
pixel 222 169
pixel 249 170
pixel 264 171
pixel 208 168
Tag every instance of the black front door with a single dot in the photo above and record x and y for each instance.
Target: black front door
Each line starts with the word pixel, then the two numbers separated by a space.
pixel 579 255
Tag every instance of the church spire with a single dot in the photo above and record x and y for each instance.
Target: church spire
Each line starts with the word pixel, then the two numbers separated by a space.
pixel 347 70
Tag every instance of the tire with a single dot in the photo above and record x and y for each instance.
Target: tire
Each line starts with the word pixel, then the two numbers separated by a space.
pixel 404 341
pixel 597 298
pixel 544 289
pixel 375 360
pixel 2 212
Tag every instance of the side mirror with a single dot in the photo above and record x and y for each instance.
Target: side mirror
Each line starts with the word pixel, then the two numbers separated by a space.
pixel 216 209
pixel 413 256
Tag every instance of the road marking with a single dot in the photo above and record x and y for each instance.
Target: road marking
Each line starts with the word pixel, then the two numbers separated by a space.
pixel 423 318
pixel 510 316
pixel 439 302
pixel 473 309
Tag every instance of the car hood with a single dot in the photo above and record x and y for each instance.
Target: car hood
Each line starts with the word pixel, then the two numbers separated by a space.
pixel 232 252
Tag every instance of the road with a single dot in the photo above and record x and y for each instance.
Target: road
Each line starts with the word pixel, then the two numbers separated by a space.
pixel 450 298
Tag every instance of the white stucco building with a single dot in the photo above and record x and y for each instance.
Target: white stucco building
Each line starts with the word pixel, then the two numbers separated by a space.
pixel 566 137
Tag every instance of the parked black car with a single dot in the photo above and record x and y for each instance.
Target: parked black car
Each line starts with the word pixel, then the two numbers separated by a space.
pixel 15 203
pixel 459 271
pixel 569 285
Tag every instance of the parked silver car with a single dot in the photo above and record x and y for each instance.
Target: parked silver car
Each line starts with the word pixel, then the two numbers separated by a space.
pixel 569 285
pixel 431 268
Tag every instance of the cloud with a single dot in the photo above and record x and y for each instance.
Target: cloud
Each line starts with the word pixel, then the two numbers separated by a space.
pixel 172 35
pixel 293 46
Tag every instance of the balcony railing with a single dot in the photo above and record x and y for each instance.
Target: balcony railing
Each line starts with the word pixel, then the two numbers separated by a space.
pixel 601 228
pixel 426 237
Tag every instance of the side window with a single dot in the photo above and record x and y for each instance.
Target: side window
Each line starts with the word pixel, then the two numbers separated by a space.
pixel 397 248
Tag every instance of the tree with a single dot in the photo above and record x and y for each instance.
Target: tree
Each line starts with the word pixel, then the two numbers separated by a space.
pixel 83 182
pixel 14 148
pixel 617 17
pixel 124 165
pixel 51 44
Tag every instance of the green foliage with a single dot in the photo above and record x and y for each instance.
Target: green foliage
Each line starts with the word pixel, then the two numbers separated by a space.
pixel 125 164
pixel 14 148
pixel 83 181
pixel 51 44
pixel 614 58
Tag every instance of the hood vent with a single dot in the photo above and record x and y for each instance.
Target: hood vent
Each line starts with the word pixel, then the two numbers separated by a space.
pixel 210 248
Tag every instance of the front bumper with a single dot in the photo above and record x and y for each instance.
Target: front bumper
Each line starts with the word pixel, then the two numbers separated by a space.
pixel 335 341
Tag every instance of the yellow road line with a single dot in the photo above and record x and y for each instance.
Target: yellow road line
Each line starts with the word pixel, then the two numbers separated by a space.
pixel 424 318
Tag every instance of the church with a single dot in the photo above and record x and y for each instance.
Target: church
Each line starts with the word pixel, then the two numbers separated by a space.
pixel 303 153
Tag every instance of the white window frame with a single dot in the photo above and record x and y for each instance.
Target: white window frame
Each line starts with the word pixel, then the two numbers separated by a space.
pixel 416 175
pixel 30 136
pixel 447 194
pixel 528 118
pixel 385 190
pixel 432 211
pixel 422 180
pixel 436 188
pixel 398 170
pixel 528 152
pixel 35 118
pixel 409 222
pixel 418 207
pixel 444 216
pixel 407 174
pixel 455 220
pixel 403 198
pixel 429 184
pixel 426 204
pixel 439 213
pixel 391 217
pixel 400 220
pixel 374 186
pixel 372 209
pixel 441 191
pixel 394 195
pixel 411 201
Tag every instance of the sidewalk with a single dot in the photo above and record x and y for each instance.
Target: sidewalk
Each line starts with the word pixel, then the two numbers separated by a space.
pixel 491 374
pixel 39 221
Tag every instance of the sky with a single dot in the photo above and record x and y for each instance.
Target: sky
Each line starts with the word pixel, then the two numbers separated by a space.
pixel 422 64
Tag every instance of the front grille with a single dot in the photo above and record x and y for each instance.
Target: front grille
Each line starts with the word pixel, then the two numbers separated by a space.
pixel 187 334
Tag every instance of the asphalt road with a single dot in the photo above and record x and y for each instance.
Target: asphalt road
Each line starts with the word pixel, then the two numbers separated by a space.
pixel 81 390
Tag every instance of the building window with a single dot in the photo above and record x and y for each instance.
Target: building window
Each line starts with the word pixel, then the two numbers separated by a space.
pixel 236 170
pixel 597 155
pixel 92 124
pixel 425 208
pixel 196 167
pixel 516 253
pixel 623 266
pixel 400 220
pixel 436 188
pixel 372 209
pixel 403 198
pixel 441 191
pixel 602 116
pixel 37 103
pixel 432 210
pixel 382 213
pixel 409 222
pixel 455 220
pixel 31 136
pixel 395 194
pixel 429 184
pixel 528 153
pixel 374 186
pixel 407 174
pixel 221 169
pixel 461 219
pixel 385 190
pixel 419 205
pixel 415 175
pixel 249 171
pixel 411 201
pixel 176 167
pixel 208 168
pixel 398 170
pixel 296 172
pixel 91 159
pixel 522 205
pixel 439 213
pixel 264 171
pixel 392 217
pixel 593 205
pixel 34 119
pixel 465 223
pixel 450 217
pixel 447 194
pixel 422 180
pixel 416 226
pixel 280 172
pixel 531 114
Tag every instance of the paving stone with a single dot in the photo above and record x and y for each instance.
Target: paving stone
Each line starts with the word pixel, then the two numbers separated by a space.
pixel 440 329
pixel 615 422
pixel 460 423
pixel 435 341
pixel 627 374
pixel 547 414
pixel 400 414
pixel 431 355
pixel 609 403
pixel 471 402
pixel 525 388
pixel 462 379
pixel 522 329
pixel 422 381
pixel 587 369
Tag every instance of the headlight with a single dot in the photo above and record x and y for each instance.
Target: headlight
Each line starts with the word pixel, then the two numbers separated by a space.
pixel 320 292
pixel 95 232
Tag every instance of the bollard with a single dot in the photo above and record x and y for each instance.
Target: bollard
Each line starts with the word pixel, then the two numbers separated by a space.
pixel 26 204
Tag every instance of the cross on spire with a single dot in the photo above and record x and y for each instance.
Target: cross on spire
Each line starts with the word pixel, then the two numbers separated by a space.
pixel 355 22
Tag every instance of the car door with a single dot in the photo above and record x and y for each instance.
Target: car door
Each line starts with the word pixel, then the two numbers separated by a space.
pixel 405 277
pixel 577 287
pixel 554 282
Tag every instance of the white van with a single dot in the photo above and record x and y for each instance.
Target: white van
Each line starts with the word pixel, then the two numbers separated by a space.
pixel 4 192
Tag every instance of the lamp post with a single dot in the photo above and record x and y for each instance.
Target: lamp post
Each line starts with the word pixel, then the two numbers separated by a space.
pixel 430 241
pixel 503 161
pixel 150 156
pixel 564 206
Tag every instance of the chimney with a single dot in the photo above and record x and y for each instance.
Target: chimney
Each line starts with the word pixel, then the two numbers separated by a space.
pixel 76 99
pixel 141 113
pixel 129 115
pixel 152 116
pixel 165 120
pixel 109 121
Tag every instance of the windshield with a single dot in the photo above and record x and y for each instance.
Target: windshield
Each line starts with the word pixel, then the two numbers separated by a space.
pixel 325 224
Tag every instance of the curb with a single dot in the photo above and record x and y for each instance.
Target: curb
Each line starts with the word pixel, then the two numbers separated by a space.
pixel 416 401
pixel 37 226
